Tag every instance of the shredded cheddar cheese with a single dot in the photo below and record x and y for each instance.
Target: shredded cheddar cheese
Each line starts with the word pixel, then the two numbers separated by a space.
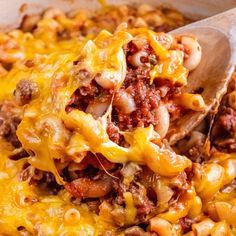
pixel 42 130
pixel 24 205
pixel 39 135
pixel 130 208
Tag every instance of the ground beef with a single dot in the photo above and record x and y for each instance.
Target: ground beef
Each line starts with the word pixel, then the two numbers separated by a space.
pixel 142 202
pixel 193 146
pixel 227 121
pixel 145 95
pixel 138 231
pixel 147 98
pixel 195 153
pixel 93 205
pixel 94 185
pixel 18 154
pixel 42 179
pixel 145 206
pixel 113 132
pixel 25 91
pixel 99 162
pixel 186 224
pixel 224 130
pixel 87 94
pixel 47 183
pixel 137 83
pixel 9 120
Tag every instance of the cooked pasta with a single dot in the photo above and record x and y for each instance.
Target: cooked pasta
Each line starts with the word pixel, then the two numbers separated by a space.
pixel 86 102
pixel 192 101
pixel 232 99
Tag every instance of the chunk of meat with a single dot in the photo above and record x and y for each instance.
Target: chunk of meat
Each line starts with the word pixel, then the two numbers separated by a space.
pixel 18 153
pixel 115 135
pixel 93 205
pixel 25 91
pixel 90 188
pixel 98 161
pixel 228 121
pixel 223 135
pixel 136 102
pixel 86 95
pixel 224 130
pixel 193 146
pixel 113 132
pixel 145 207
pixel 9 120
pixel 186 224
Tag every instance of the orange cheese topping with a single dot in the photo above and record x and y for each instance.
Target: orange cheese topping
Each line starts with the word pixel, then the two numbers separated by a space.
pixel 24 205
pixel 44 125
pixel 46 128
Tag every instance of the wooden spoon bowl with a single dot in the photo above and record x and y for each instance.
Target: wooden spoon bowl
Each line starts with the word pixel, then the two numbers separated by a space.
pixel 217 37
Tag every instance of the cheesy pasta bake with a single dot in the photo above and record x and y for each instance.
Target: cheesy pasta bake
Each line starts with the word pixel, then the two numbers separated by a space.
pixel 86 103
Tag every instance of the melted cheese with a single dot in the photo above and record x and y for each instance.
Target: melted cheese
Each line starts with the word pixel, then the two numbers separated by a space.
pixel 104 56
pixel 130 210
pixel 170 65
pixel 37 131
pixel 44 130
pixel 171 68
pixel 38 213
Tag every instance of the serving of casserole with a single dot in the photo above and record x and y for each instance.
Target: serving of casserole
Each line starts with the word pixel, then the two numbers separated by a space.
pixel 86 101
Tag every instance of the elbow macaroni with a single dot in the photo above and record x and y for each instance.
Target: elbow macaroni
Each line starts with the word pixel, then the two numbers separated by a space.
pixel 194 102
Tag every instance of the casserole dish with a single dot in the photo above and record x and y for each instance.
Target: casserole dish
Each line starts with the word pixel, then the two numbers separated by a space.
pixel 10 16
pixel 83 119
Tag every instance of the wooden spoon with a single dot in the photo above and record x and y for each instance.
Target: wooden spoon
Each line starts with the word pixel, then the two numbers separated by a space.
pixel 217 37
